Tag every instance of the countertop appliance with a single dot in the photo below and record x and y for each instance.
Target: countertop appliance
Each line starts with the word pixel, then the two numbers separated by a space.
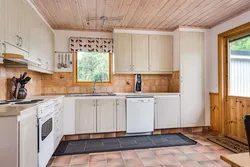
pixel 138 83
pixel 140 114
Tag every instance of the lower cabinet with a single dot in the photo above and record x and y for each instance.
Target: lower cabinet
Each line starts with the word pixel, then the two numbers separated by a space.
pixel 167 112
pixel 28 141
pixel 106 115
pixel 121 114
pixel 85 116
pixel 100 115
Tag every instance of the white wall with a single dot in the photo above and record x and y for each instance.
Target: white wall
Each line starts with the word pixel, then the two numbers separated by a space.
pixel 62 37
pixel 212 53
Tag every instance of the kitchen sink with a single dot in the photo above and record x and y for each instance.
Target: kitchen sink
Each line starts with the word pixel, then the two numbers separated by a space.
pixel 91 94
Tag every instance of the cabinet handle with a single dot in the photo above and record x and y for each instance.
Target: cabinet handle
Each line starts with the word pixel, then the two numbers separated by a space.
pixel 4 47
pixel 93 102
pixel 18 40
pixel 21 41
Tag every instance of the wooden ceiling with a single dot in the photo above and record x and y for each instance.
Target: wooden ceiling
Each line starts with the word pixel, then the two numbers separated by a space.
pixel 141 14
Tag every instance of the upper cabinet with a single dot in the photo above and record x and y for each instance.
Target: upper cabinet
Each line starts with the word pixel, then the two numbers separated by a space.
pixel 16 24
pixel 122 51
pixel 143 53
pixel 160 53
pixel 1 29
pixel 140 53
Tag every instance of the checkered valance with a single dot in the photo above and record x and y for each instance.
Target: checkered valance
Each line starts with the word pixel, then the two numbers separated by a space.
pixel 78 44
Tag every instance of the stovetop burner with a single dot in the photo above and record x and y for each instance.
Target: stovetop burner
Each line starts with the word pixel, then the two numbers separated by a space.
pixel 3 103
pixel 26 102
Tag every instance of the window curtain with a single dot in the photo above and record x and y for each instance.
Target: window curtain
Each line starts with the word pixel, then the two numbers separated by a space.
pixel 80 44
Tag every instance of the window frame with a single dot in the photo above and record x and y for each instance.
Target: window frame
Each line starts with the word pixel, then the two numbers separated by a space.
pixel 79 83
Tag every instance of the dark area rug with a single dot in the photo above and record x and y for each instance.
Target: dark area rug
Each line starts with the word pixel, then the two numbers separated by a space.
pixel 122 143
pixel 230 144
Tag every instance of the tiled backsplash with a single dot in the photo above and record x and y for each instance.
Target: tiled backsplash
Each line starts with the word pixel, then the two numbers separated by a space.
pixel 33 87
pixel 60 83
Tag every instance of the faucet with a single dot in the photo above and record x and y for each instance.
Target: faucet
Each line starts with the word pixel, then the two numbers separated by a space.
pixel 94 86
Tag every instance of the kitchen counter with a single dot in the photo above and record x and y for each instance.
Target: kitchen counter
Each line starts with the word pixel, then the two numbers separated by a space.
pixel 10 110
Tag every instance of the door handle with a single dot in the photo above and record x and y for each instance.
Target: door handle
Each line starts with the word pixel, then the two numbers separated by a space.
pixel 18 40
pixel 21 41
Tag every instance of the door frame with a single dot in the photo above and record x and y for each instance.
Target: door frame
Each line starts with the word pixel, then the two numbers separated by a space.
pixel 223 39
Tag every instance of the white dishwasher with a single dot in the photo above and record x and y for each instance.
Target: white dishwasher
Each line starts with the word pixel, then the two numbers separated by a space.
pixel 140 114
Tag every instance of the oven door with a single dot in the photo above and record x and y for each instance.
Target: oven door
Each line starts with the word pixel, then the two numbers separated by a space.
pixel 46 139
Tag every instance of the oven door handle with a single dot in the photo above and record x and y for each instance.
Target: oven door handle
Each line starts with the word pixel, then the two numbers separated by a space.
pixel 38 135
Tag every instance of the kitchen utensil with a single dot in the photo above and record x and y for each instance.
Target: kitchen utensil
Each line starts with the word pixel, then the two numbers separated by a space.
pixel 17 90
pixel 25 81
pixel 24 75
pixel 59 65
pixel 65 64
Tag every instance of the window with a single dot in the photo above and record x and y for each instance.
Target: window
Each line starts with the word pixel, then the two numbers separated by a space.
pixel 92 67
pixel 239 67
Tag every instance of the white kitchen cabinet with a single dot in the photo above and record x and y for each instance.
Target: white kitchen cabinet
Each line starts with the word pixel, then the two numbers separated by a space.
pixel 140 53
pixel 160 53
pixel 69 118
pixel 121 114
pixel 1 29
pixel 28 141
pixel 16 23
pixel 122 50
pixel 192 79
pixel 85 116
pixel 106 115
pixel 167 112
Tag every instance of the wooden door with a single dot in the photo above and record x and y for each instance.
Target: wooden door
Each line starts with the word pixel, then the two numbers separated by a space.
pixel 140 53
pixel 12 15
pixel 122 53
pixel 85 116
pixel 121 114
pixel 28 142
pixel 160 53
pixel 192 79
pixel 106 115
pixel 167 112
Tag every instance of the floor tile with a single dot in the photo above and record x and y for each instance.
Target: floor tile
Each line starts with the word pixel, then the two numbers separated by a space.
pixel 173 150
pixel 113 155
pixel 97 157
pixel 98 164
pixel 198 157
pixel 145 153
pixel 174 165
pixel 188 149
pixel 222 163
pixel 133 163
pixel 216 147
pixel 203 149
pixel 212 155
pixel 160 151
pixel 153 161
pixel 181 157
pixel 61 160
pixel 131 154
pixel 209 164
pixel 116 163
pixel 167 159
pixel 80 165
pixel 191 164
pixel 79 159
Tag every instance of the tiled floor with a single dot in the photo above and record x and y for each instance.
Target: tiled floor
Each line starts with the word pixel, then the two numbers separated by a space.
pixel 204 153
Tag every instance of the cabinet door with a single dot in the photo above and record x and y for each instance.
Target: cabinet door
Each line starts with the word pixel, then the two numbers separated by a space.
pixel 85 116
pixel 140 53
pixel 122 53
pixel 12 12
pixel 28 142
pixel 160 53
pixel 120 114
pixel 167 112
pixel 192 79
pixel 1 28
pixel 24 25
pixel 106 115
